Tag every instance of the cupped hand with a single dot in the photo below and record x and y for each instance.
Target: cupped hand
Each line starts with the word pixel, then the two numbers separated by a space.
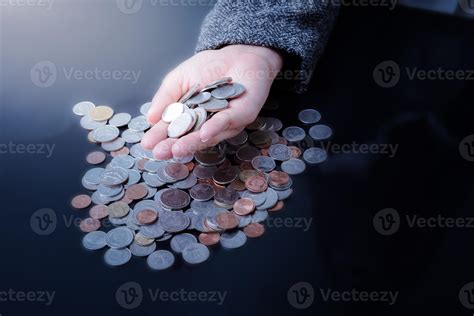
pixel 252 66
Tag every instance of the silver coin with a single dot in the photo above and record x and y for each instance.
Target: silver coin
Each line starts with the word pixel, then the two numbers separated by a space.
pixel 165 237
pixel 153 166
pixel 114 176
pixel 195 253
pixel 180 126
pixel 309 116
pixel 132 137
pixel 98 198
pixel 187 183
pixel 270 201
pixel 151 191
pixel 258 198
pixel 125 162
pixel 94 175
pixel 139 124
pixel 117 257
pixel 181 241
pixel 217 83
pixel 294 134
pixel 293 166
pixel 214 105
pixel 320 132
pixel 160 260
pixel 202 97
pixel 145 108
pixel 184 159
pixel 119 237
pixel 83 108
pixel 202 207
pixel 239 139
pixel 259 216
pixel 114 145
pixel 118 221
pixel 152 180
pixel 244 220
pixel 138 151
pixel 263 163
pixel 109 190
pixel 315 155
pixel 279 152
pixel 89 186
pixel 232 240
pixel 201 118
pixel 120 119
pixel 273 124
pixel 173 222
pixel 133 177
pixel 94 240
pixel 239 90
pixel 142 251
pixel 282 195
pixel 223 92
pixel 88 123
pixel 192 91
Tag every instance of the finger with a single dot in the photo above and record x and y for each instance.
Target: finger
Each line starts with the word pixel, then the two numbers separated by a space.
pixel 155 135
pixel 162 151
pixel 231 118
pixel 169 92
pixel 192 143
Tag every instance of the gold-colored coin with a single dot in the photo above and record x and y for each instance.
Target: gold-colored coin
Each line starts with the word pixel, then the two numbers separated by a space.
pixel 101 113
pixel 142 240
pixel 118 209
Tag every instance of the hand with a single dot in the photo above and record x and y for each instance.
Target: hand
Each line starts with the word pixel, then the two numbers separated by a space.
pixel 252 66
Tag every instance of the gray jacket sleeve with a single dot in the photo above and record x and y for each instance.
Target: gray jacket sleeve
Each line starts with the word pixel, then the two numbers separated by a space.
pixel 299 29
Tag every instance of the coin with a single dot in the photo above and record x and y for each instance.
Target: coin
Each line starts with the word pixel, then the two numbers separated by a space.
pixel 244 206
pixel 142 251
pixel 259 216
pixel 237 185
pixel 118 209
pixel 239 90
pixel 180 126
pixel 173 221
pixel 99 211
pixel 121 152
pixel 232 240
pixel 223 92
pixel 225 175
pixel 106 133
pixel 210 156
pixel 195 253
pixel 136 192
pixel 145 108
pixel 160 260
pixel 254 230
pixel 175 199
pixel 217 83
pixel 270 201
pixel 320 132
pixel 114 145
pixel 309 116
pixel 88 123
pixel 264 164
pixel 176 171
pixel 279 178
pixel 295 151
pixel 200 119
pixel 131 136
pixel 199 98
pixel 114 176
pixel 202 172
pixel 227 220
pixel 95 158
pixel 117 257
pixel 94 240
pixel 278 207
pixel 181 241
pixel 247 153
pixel 101 113
pixel 239 139
pixel 214 105
pixel 120 119
pixel 192 91
pixel 83 108
pixel 209 239
pixel 172 112
pixel 315 155
pixel 279 152
pixel 256 184
pixel 146 216
pixel 89 224
pixel 202 192
pixel 81 201
pixel 294 134
pixel 293 166
pixel 119 237
pixel 139 124
pixel 226 197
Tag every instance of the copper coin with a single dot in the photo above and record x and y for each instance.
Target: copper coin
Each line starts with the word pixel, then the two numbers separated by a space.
pixel 81 201
pixel 237 185
pixel 226 196
pixel 209 239
pixel 279 206
pixel 247 153
pixel 202 172
pixel 146 216
pixel 89 224
pixel 95 158
pixel 264 151
pixel 202 192
pixel 256 184
pixel 295 151
pixel 244 206
pixel 254 230
pixel 176 171
pixel 126 200
pixel 136 192
pixel 210 156
pixel 246 165
pixel 124 151
pixel 190 166
pixel 98 211
pixel 279 178
pixel 175 199
pixel 245 174
pixel 141 164
pixel 227 220
pixel 282 140
pixel 225 175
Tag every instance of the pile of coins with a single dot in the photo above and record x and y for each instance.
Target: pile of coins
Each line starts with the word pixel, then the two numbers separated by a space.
pixel 220 195
pixel 197 106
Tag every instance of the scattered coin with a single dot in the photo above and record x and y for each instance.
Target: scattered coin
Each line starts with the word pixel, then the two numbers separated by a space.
pixel 117 257
pixel 96 158
pixel 160 260
pixel 83 108
pixel 94 240
pixel 89 224
pixel 101 113
pixel 118 209
pixel 293 166
pixel 106 133
pixel 172 112
pixel 315 155
pixel 195 253
pixel 120 119
pixel 233 240
pixel 320 132
pixel 294 134
pixel 209 239
pixel 256 184
pixel 145 108
pixel 146 216
pixel 254 230
pixel 244 206
pixel 181 241
pixel 136 192
pixel 309 116
pixel 99 211
pixel 81 201
pixel 119 237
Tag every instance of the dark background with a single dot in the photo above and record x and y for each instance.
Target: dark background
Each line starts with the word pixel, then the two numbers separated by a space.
pixel 341 251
